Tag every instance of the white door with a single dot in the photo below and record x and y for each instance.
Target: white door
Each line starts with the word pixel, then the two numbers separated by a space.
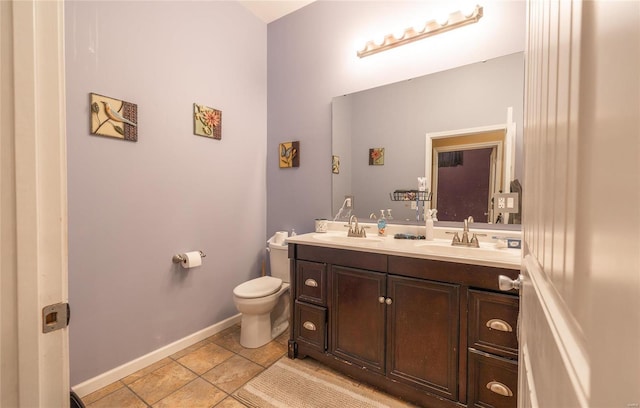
pixel 580 297
pixel 33 209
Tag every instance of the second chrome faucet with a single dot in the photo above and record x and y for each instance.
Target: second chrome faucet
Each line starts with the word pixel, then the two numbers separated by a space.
pixel 354 231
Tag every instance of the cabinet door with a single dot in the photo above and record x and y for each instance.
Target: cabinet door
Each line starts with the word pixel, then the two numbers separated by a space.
pixel 358 317
pixel 423 334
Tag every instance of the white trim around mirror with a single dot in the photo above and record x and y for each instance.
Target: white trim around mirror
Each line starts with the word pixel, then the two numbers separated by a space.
pixel 509 147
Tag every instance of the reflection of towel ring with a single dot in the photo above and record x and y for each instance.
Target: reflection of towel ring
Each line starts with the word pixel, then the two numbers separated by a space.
pixel 179 258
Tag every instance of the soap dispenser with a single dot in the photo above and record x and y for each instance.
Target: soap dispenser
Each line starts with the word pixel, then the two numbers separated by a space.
pixel 428 234
pixel 382 225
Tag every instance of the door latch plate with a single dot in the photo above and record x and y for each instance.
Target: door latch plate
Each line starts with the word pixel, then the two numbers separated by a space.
pixel 55 317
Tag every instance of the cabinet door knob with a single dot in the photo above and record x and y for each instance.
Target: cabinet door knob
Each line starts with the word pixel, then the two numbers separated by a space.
pixel 499 324
pixel 311 282
pixel 505 283
pixel 309 326
pixel 388 301
pixel 381 299
pixel 499 388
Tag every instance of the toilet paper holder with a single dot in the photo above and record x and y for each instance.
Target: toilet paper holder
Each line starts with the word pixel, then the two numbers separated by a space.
pixel 179 258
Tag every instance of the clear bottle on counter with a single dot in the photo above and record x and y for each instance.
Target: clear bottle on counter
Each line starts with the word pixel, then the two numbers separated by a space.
pixel 382 225
pixel 428 233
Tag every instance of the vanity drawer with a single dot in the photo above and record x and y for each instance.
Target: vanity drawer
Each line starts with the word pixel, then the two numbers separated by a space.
pixel 311 280
pixel 493 381
pixel 493 323
pixel 311 325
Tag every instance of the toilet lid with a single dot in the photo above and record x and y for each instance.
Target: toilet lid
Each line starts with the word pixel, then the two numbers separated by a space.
pixel 258 287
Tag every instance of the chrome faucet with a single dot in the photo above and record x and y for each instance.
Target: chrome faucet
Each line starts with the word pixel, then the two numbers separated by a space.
pixel 465 230
pixel 465 241
pixel 354 231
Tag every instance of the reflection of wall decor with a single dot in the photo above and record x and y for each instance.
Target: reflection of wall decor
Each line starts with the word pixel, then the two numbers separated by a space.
pixel 335 164
pixel 289 154
pixel 376 156
pixel 114 118
pixel 207 121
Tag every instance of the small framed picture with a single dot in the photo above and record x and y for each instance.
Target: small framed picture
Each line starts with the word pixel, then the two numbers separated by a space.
pixel 207 122
pixel 114 118
pixel 289 153
pixel 376 156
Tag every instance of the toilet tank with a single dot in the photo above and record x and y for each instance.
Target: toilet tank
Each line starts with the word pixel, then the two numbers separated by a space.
pixel 279 261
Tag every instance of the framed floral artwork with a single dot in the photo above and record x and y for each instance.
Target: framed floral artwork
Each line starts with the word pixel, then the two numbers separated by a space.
pixel 207 122
pixel 376 156
pixel 114 118
pixel 289 153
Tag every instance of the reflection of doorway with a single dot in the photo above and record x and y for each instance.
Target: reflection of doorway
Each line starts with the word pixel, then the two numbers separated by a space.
pixel 467 171
pixel 464 180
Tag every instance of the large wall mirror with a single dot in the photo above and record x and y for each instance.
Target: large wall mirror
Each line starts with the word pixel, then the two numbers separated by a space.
pixel 397 121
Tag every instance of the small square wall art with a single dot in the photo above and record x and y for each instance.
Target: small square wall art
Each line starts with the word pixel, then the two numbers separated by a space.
pixel 114 118
pixel 207 122
pixel 376 156
pixel 289 153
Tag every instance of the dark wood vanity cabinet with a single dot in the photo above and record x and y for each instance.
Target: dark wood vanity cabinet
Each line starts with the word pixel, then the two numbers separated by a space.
pixel 412 327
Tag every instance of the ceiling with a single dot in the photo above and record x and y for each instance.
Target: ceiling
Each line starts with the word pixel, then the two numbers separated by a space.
pixel 270 10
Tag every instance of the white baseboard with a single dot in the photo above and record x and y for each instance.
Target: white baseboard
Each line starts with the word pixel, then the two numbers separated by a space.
pixel 104 379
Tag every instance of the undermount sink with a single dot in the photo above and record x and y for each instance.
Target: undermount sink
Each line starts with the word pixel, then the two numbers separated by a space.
pixel 343 238
pixel 486 250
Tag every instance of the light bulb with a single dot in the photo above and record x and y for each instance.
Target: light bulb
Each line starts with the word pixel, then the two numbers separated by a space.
pixel 378 40
pixel 455 17
pixel 399 34
pixel 468 9
pixel 442 19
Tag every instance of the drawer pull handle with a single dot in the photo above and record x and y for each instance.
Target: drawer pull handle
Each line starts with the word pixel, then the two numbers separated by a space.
pixel 388 301
pixel 381 299
pixel 498 324
pixel 311 282
pixel 309 326
pixel 499 388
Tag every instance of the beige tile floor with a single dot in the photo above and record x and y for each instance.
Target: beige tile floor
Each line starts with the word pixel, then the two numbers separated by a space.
pixel 202 375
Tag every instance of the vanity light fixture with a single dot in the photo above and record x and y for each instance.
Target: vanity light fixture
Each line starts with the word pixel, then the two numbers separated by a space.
pixel 411 34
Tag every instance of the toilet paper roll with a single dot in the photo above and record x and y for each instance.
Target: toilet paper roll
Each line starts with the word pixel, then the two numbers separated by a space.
pixel 280 236
pixel 191 259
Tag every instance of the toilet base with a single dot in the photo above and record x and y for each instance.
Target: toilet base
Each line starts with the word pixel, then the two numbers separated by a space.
pixel 278 329
pixel 258 329
pixel 255 330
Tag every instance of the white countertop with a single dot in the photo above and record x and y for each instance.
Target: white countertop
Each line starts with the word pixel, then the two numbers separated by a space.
pixel 439 249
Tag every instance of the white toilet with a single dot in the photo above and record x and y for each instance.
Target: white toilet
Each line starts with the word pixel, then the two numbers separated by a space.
pixel 264 302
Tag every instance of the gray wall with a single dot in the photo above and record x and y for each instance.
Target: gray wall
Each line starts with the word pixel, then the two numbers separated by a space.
pixel 133 205
pixel 312 58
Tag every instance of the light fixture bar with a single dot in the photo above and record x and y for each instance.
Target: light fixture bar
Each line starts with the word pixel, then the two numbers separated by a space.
pixel 455 20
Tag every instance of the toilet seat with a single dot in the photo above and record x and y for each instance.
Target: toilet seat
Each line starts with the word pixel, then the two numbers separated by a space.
pixel 258 287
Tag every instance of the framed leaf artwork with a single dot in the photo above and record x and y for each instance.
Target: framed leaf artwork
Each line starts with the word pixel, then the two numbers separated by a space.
pixel 335 164
pixel 289 153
